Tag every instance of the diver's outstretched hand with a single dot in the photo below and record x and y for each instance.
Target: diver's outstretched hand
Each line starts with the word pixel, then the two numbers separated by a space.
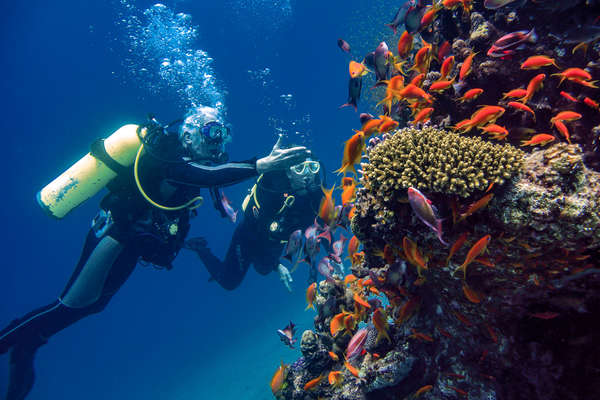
pixel 281 158
pixel 285 276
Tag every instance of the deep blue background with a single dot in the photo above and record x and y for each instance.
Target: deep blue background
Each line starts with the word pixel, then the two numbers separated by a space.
pixel 165 334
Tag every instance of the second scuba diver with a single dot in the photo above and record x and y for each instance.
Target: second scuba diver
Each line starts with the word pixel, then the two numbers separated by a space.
pixel 279 203
pixel 136 225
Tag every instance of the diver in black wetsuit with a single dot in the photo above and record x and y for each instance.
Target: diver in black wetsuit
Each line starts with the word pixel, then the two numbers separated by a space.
pixel 279 203
pixel 129 229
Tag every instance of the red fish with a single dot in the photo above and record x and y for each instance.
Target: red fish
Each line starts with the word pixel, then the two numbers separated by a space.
pixel 457 245
pixel 466 67
pixel 477 250
pixel 535 84
pixel 545 315
pixel 310 295
pixel 380 322
pixel 539 139
pixel 405 44
pixel 536 62
pixel 522 107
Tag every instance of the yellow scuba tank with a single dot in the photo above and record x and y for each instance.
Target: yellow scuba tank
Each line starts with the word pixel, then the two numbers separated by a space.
pixel 89 175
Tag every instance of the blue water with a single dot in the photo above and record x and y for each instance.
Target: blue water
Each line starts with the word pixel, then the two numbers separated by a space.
pixel 68 78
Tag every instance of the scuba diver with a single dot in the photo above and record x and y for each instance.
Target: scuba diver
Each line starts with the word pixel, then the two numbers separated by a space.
pixel 279 203
pixel 144 218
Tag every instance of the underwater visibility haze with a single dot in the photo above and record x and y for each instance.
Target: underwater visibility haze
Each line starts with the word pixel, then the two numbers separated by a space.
pixel 440 241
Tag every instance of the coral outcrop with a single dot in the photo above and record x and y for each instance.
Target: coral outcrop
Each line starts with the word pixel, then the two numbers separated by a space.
pixel 435 160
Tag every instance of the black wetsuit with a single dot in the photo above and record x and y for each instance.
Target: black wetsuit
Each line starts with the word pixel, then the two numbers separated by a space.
pixel 140 232
pixel 258 238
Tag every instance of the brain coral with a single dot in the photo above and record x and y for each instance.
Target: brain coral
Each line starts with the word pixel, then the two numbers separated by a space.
pixel 435 160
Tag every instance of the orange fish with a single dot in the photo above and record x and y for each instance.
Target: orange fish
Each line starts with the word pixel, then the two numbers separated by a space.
pixel 348 189
pixel 446 67
pixel 562 128
pixel 522 107
pixel 423 389
pixel 429 16
pixel 414 92
pixel 493 335
pixel 335 378
pixel 568 96
pixel 466 67
pixel 536 62
pixel 470 294
pixel 589 84
pixel 407 309
pixel 470 94
pixel 591 103
pixel 462 318
pixel 405 44
pixel 573 73
pixel 357 69
pixel 380 322
pixel 420 336
pixel 310 296
pixel 515 93
pixel 565 116
pixel 370 126
pixel 478 205
pixel 278 378
pixel 351 368
pixel 443 50
pixel 361 301
pixel 440 86
pixel 333 356
pixel 535 84
pixel 541 139
pixel 387 124
pixel 457 245
pixel 422 59
pixel 423 115
pixel 313 383
pixel 352 152
pixel 412 254
pixel 352 248
pixel 477 249
pixel 497 131
pixel 327 206
pixel 350 277
pixel 485 114
pixel 462 125
pixel 451 4
pixel 417 80
pixel 459 391
pixel 349 323
pixel 394 85
pixel 337 323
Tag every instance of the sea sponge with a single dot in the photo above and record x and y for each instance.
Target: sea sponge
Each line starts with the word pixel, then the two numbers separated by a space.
pixel 434 160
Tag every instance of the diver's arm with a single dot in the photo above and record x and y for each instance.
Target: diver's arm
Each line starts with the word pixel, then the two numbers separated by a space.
pixel 194 174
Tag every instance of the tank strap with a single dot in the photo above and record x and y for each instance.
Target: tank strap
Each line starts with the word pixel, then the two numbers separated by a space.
pixel 98 150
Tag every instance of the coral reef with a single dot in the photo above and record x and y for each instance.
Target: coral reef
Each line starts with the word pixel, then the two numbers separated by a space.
pixel 508 310
pixel 436 161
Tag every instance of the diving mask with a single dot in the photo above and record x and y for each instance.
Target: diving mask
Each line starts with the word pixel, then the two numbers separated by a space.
pixel 306 167
pixel 214 131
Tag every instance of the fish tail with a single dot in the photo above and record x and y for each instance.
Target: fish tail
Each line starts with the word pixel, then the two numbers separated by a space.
pixel 394 28
pixel 309 306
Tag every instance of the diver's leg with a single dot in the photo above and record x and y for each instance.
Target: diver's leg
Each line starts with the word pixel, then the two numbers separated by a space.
pixel 104 266
pixel 230 272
